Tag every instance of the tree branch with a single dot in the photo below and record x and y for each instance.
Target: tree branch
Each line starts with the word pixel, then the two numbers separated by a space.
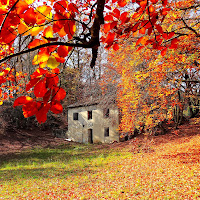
pixel 190 28
pixel 85 45
pixel 7 15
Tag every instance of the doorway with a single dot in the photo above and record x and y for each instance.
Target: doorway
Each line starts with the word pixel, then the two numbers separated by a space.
pixel 90 136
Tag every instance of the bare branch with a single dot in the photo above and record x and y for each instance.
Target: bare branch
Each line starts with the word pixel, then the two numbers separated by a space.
pixel 7 15
pixel 85 45
pixel 190 28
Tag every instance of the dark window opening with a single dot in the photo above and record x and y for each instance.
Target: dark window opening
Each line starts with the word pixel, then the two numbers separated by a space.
pixel 106 113
pixel 106 132
pixel 89 115
pixel 75 116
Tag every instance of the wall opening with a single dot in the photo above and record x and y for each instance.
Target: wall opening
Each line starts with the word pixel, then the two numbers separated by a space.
pixel 90 136
pixel 106 132
pixel 89 115
pixel 75 116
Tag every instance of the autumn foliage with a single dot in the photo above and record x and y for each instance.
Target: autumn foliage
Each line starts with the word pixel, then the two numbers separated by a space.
pixel 53 29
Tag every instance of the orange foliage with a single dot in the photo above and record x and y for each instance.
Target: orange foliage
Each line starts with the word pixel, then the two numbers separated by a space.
pixel 58 26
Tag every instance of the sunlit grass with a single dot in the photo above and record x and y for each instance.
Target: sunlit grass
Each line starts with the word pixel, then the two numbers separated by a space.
pixel 171 171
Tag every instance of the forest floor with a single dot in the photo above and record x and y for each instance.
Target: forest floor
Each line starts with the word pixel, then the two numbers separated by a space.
pixel 35 165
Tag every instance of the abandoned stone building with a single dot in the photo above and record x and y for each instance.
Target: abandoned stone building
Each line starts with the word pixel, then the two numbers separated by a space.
pixel 92 123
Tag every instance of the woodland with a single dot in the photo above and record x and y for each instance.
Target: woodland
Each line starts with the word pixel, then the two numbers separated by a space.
pixel 144 54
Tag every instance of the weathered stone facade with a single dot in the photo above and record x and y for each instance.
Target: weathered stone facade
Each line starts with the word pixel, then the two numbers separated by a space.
pixel 93 124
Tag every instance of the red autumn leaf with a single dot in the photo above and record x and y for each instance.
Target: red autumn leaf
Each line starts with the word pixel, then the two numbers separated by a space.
pixel 56 107
pixel 32 83
pixel 113 25
pixel 108 7
pixel 62 51
pixel 116 13
pixel 52 80
pixel 150 30
pixel 8 35
pixel 14 19
pixel 124 17
pixel 56 71
pixel 151 9
pixel 165 36
pixel 30 17
pixel 72 7
pixel 139 40
pixel 115 46
pixel 29 109
pixel 38 73
pixel 154 1
pixel 163 52
pixel 58 94
pixel 106 28
pixel 164 2
pixel 35 43
pixel 108 18
pixel 159 28
pixel 164 11
pixel 69 28
pixel 47 96
pixel 60 6
pixel 135 27
pixel 58 58
pixel 142 30
pixel 140 48
pixel 170 35
pixel 22 100
pixel 110 38
pixel 174 43
pixel 21 7
pixel 41 115
pixel 122 3
pixel 40 88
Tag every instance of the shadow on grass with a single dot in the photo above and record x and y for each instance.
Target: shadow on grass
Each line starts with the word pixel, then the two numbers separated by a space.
pixel 186 157
pixel 43 173
pixel 52 162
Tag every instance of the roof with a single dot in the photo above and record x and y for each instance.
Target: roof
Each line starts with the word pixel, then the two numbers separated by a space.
pixel 83 104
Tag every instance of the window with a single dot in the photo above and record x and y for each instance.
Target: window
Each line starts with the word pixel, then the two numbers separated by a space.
pixel 75 116
pixel 89 115
pixel 106 132
pixel 106 113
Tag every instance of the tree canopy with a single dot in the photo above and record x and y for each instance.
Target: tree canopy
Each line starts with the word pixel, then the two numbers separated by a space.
pixel 50 30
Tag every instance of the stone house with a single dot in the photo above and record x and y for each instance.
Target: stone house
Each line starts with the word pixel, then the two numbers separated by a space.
pixel 90 123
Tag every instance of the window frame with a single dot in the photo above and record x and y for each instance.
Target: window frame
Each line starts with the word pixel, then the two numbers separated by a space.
pixel 75 116
pixel 89 114
pixel 106 132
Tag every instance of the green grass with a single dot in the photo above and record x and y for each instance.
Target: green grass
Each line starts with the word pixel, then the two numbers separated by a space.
pixel 88 172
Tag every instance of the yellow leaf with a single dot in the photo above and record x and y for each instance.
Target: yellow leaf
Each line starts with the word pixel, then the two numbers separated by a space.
pixel 52 62
pixel 35 30
pixel 29 1
pixel 43 64
pixel 48 32
pixel 41 58
pixel 45 10
pixel 1 102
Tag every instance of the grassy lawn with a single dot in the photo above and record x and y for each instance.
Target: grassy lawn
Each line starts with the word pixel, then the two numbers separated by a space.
pixel 166 171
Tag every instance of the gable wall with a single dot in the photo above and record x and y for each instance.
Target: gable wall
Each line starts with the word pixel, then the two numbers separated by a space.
pixel 78 129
